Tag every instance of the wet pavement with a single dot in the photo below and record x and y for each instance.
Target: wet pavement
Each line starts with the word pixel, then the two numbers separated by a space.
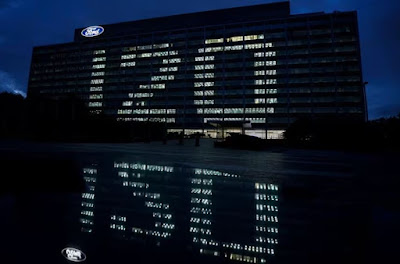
pixel 155 203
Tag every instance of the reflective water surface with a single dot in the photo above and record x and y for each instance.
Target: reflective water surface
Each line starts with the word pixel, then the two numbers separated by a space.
pixel 181 204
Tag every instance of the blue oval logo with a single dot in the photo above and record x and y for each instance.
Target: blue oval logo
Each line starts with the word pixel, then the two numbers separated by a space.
pixel 92 31
pixel 73 254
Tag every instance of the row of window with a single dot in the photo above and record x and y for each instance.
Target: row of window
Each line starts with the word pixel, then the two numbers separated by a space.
pixel 251 61
pixel 343 74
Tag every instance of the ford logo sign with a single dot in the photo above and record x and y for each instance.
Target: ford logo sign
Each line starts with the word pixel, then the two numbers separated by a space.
pixel 73 254
pixel 92 31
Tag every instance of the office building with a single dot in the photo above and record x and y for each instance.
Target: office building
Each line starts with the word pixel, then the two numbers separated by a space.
pixel 257 67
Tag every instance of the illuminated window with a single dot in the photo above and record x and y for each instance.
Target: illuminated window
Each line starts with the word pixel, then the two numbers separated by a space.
pixel 272 187
pixel 144 47
pixel 160 53
pixel 174 60
pixel 124 111
pixel 128 64
pixel 96 89
pixel 210 111
pixel 128 49
pixel 96 96
pixel 159 78
pixel 265 54
pixel 97 73
pixel 162 78
pixel 95 104
pixel 264 82
pixel 97 81
pixel 86 204
pixel 205 75
pixel 264 63
pixel 99 59
pixel 259 101
pixel 203 84
pixel 152 86
pixel 88 213
pixel 253 37
pixel 205 58
pixel 96 52
pixel 211 49
pixel 165 69
pixel 235 47
pixel 89 196
pixel 99 66
pixel 117 227
pixel 161 46
pixel 158 86
pixel 201 102
pixel 89 179
pixel 235 39
pixel 254 46
pixel 123 174
pixel 259 91
pixel 157 111
pixel 210 41
pixel 144 55
pixel 272 230
pixel 89 171
pixel 141 95
pixel 259 120
pixel 127 103
pixel 128 56
pixel 268 72
pixel 202 67
pixel 233 110
pixel 205 93
pixel 255 110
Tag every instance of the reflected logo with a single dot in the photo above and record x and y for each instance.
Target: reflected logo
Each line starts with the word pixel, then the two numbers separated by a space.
pixel 92 31
pixel 73 254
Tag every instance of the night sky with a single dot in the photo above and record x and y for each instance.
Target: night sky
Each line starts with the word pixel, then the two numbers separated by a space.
pixel 28 23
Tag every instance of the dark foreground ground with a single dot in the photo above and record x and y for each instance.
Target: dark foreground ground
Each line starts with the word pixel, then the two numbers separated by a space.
pixel 155 203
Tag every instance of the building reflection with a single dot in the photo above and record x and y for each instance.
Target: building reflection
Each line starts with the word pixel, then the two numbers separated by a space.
pixel 88 198
pixel 217 213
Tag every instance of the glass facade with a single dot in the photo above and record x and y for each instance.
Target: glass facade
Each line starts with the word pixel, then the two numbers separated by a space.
pixel 267 72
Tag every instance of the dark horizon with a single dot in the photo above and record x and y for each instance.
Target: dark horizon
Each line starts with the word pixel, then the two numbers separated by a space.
pixel 56 25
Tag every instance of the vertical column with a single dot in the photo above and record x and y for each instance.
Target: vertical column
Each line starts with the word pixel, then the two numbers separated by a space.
pixel 204 76
pixel 267 80
pixel 201 213
pixel 97 82
pixel 266 217
pixel 127 63
pixel 87 203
